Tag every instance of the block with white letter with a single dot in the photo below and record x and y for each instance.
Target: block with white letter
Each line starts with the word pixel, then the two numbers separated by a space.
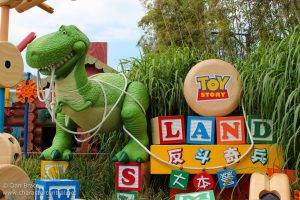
pixel 261 130
pixel 128 176
pixel 231 130
pixel 168 130
pixel 200 130
pixel 57 189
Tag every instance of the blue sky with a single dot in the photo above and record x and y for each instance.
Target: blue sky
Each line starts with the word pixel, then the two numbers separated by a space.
pixel 113 21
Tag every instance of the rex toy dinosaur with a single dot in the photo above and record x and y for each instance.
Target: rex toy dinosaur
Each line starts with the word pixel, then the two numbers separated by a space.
pixel 80 100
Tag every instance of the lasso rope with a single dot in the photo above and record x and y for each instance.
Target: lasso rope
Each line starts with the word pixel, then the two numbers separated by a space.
pixel 50 103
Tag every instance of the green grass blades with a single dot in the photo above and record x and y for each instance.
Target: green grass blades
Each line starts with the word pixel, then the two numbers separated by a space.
pixel 164 73
pixel 272 89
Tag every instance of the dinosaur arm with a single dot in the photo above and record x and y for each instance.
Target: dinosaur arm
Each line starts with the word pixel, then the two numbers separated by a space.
pixel 82 107
pixel 63 140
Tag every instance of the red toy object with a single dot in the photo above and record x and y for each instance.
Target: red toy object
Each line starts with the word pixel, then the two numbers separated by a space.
pixel 290 173
pixel 203 182
pixel 168 130
pixel 128 177
pixel 29 38
pixel 231 130
pixel 26 89
pixel 297 195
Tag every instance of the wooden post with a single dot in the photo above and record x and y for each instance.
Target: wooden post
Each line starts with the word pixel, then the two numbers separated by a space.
pixel 4 23
pixel 3 37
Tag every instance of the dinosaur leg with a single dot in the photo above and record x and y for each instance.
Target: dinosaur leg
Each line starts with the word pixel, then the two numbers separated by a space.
pixel 134 119
pixel 62 142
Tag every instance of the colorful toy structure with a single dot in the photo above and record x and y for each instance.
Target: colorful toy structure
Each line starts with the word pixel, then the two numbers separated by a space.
pixel 204 155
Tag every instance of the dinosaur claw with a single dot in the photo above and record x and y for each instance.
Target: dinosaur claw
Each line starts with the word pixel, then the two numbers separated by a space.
pixel 123 157
pixel 55 154
pixel 139 160
pixel 42 157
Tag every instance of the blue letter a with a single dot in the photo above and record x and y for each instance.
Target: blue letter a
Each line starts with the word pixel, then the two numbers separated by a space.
pixel 200 130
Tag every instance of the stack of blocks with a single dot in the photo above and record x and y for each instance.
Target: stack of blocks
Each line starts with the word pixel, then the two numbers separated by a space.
pixel 130 179
pixel 51 186
pixel 198 130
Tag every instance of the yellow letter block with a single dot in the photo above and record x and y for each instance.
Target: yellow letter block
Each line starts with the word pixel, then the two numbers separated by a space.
pixel 53 169
pixel 262 157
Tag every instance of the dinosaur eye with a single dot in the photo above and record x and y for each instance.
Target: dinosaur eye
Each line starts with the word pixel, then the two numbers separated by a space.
pixel 65 32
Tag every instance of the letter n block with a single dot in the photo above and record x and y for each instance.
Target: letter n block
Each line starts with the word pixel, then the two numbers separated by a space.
pixel 128 177
pixel 231 130
pixel 200 130
pixel 261 130
pixel 168 130
pixel 57 189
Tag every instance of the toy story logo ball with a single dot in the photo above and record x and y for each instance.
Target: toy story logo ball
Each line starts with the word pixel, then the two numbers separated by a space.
pixel 213 88
pixel 11 65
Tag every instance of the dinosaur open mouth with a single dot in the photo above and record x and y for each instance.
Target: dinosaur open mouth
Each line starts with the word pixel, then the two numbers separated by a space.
pixel 59 63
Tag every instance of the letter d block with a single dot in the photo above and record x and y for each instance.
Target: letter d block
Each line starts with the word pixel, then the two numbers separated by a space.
pixel 200 130
pixel 57 189
pixel 261 130
pixel 231 130
pixel 128 177
pixel 168 130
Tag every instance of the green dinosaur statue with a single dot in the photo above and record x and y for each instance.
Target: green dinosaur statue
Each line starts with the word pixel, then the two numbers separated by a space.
pixel 80 100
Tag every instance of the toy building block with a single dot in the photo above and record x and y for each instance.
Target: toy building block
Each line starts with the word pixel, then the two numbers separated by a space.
pixel 10 150
pixel 261 130
pixel 128 177
pixel 200 130
pixel 204 182
pixel 127 195
pixel 53 169
pixel 207 195
pixel 57 189
pixel 227 178
pixel 263 187
pixel 231 130
pixel 179 179
pixel 168 130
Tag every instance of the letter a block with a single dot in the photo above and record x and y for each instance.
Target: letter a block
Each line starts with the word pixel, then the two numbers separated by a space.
pixel 231 130
pixel 200 130
pixel 168 130
pixel 261 130
pixel 128 177
pixel 57 189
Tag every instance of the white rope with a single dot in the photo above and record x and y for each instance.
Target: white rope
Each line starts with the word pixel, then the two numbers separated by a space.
pixel 105 117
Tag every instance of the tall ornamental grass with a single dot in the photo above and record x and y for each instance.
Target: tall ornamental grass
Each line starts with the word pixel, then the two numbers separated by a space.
pixel 163 73
pixel 271 78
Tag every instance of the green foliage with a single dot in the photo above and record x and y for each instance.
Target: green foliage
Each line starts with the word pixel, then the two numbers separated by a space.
pixel 163 73
pixel 231 27
pixel 272 89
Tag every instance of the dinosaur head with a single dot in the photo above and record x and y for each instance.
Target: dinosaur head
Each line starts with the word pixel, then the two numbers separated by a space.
pixel 60 50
